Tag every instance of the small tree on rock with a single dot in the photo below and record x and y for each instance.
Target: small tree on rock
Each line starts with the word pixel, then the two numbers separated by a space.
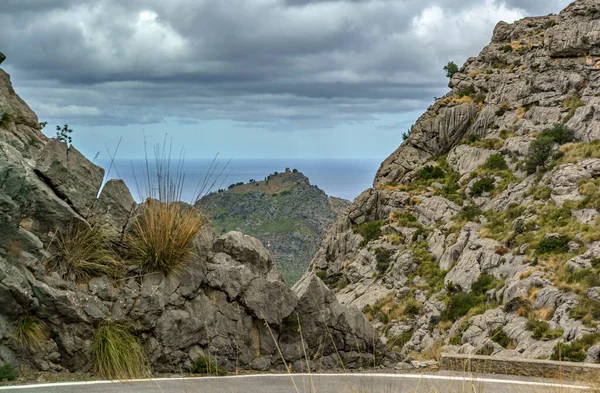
pixel 63 133
pixel 451 68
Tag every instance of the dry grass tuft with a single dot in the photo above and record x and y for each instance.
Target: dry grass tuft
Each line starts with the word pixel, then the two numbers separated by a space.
pixel 83 252
pixel 162 237
pixel 30 332
pixel 118 354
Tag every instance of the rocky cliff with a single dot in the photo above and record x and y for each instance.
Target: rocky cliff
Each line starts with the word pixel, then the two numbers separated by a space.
pixel 480 234
pixel 285 212
pixel 230 305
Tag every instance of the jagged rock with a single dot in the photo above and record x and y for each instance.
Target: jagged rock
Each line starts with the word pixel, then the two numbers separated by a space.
pixel 271 301
pixel 22 131
pixel 564 182
pixel 70 175
pixel 585 216
pixel 247 249
pixel 2 57
pixel 114 207
pixel 465 159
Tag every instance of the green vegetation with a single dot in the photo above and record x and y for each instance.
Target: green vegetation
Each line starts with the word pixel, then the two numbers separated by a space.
pixel 428 269
pixel 7 373
pixel 496 162
pixel 369 231
pixel 541 330
pixel 506 48
pixel 387 309
pixel 468 91
pixel 484 283
pixel 206 366
pixel 30 332
pixel 573 352
pixel 64 134
pixel 572 103
pixel 118 354
pixel 470 213
pixel 483 185
pixel 383 257
pixel 431 172
pixel 587 311
pixel 542 148
pixel 451 68
pixel 5 119
pixel 83 252
pixel 405 219
pixel 553 245
pixel 396 343
pixel 162 237
pixel 459 304
pixel 499 336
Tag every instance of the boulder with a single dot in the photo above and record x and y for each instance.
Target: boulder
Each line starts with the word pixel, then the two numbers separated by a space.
pixel 71 176
pixel 114 207
pixel 245 249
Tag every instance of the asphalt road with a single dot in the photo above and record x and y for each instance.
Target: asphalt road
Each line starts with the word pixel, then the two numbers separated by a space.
pixel 321 383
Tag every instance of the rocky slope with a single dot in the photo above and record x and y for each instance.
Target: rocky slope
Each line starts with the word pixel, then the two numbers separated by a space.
pixel 230 305
pixel 480 234
pixel 285 212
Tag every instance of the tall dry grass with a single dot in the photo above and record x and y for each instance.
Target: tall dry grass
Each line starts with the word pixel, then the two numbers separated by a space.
pixel 82 252
pixel 118 354
pixel 30 332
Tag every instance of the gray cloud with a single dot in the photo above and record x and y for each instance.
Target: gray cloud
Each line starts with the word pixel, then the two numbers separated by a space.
pixel 300 63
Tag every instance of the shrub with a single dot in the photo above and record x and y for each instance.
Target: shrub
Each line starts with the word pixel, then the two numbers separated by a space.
pixel 369 231
pixel 5 119
pixel 499 336
pixel 553 245
pixel 399 341
pixel 559 133
pixel 541 330
pixel 206 366
pixel 30 332
pixel 118 354
pixel 540 150
pixel 451 68
pixel 460 304
pixel 496 162
pixel 383 257
pixel 506 48
pixel 83 252
pixel 162 236
pixel 573 352
pixel 432 172
pixel 64 133
pixel 7 373
pixel 468 91
pixel 483 185
pixel 470 213
pixel 587 310
pixel 484 283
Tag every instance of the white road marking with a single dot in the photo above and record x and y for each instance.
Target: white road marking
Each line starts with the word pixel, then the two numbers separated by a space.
pixel 351 375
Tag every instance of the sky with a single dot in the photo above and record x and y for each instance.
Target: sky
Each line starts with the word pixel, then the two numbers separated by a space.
pixel 245 78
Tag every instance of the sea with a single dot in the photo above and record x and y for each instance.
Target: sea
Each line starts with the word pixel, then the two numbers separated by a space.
pixel 342 178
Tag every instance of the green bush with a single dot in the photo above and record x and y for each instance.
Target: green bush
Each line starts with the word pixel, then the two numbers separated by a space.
pixel 400 341
pixel 542 332
pixel 499 336
pixel 206 366
pixel 484 283
pixel 573 352
pixel 459 305
pixel 482 185
pixel 496 162
pixel 541 149
pixel 369 231
pixel 7 373
pixel 470 213
pixel 383 257
pixel 553 245
pixel 451 68
pixel 431 172
pixel 468 91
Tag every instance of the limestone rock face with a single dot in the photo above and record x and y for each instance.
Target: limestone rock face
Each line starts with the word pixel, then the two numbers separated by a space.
pixel 229 304
pixel 439 229
pixel 75 179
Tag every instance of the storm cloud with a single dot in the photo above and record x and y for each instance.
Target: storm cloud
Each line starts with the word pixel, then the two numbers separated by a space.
pixel 275 64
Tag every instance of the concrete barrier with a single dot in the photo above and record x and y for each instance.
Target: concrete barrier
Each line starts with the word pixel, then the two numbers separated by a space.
pixel 522 367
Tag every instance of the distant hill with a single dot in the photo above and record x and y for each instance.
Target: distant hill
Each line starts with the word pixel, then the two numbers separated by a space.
pixel 288 214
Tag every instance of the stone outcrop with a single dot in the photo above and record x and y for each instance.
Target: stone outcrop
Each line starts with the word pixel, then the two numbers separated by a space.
pixel 229 304
pixel 515 247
